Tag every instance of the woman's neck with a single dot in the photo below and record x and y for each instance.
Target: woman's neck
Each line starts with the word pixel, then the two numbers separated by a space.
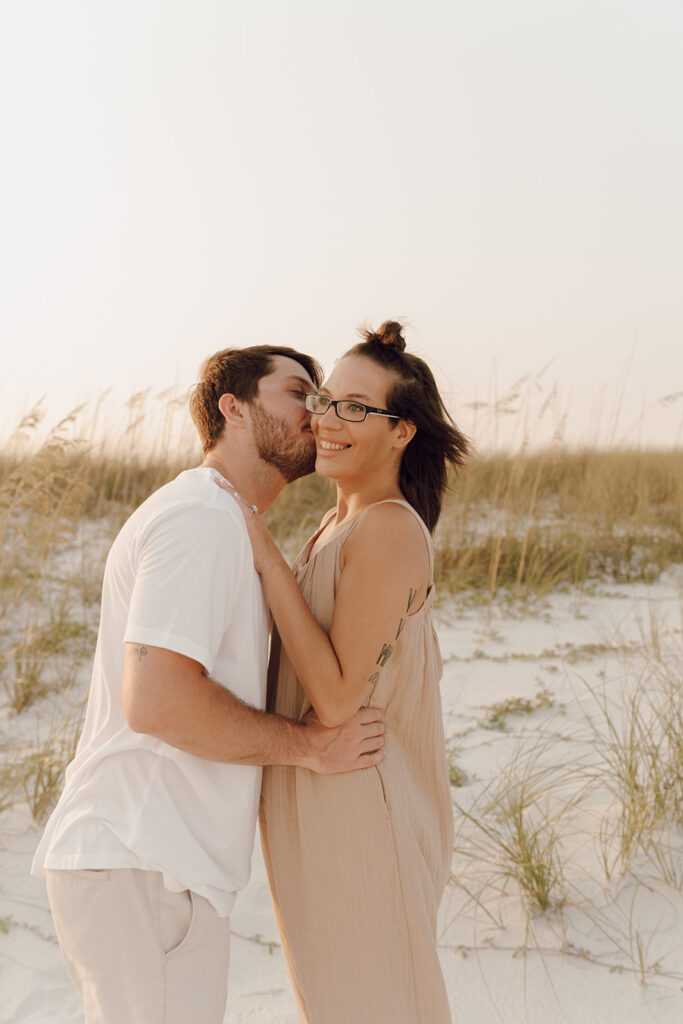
pixel 352 500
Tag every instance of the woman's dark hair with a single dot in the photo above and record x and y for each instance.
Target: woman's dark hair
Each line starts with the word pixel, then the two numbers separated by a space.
pixel 413 395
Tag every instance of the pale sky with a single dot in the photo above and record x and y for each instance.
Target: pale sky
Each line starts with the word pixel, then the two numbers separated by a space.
pixel 183 175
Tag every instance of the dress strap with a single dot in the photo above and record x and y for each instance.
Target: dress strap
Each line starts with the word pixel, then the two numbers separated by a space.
pixel 305 552
pixel 325 520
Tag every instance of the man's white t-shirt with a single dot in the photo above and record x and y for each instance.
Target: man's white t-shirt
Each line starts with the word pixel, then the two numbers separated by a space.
pixel 179 575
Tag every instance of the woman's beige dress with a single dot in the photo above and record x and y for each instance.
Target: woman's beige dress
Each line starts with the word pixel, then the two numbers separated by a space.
pixel 357 863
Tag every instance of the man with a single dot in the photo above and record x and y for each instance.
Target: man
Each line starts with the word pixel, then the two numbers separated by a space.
pixel 153 834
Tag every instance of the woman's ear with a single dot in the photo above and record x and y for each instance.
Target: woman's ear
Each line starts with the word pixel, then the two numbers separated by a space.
pixel 404 433
pixel 232 410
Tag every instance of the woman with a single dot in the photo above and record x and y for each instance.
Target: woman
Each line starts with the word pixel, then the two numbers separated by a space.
pixel 357 863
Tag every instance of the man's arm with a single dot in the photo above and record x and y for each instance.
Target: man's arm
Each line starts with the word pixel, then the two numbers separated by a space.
pixel 169 696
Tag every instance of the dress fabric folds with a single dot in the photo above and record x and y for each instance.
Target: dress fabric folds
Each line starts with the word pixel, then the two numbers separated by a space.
pixel 357 863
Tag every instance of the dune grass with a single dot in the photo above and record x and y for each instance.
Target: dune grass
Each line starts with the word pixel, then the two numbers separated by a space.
pixel 578 841
pixel 524 524
pixel 515 526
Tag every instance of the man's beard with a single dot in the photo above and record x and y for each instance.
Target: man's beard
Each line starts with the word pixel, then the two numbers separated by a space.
pixel 291 453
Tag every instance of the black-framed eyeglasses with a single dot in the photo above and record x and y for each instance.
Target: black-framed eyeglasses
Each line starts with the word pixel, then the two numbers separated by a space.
pixel 345 408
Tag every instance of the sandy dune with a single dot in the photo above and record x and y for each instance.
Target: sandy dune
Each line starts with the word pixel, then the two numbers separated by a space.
pixel 519 688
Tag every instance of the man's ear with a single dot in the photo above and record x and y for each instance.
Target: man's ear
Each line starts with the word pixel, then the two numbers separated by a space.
pixel 232 410
pixel 405 432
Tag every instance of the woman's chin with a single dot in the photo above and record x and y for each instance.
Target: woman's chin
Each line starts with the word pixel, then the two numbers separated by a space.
pixel 323 468
pixel 328 468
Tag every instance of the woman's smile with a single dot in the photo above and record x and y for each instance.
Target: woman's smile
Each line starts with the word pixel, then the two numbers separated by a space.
pixel 331 446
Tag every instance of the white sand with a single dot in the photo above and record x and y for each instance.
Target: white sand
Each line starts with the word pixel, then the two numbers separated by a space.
pixel 618 930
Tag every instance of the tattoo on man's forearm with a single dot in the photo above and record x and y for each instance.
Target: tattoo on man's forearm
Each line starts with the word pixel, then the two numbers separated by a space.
pixel 140 652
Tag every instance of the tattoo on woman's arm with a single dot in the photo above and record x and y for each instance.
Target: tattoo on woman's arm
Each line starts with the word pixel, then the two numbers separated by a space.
pixel 387 649
pixel 384 655
pixel 412 594
pixel 140 652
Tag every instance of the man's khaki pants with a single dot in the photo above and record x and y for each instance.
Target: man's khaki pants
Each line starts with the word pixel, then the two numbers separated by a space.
pixel 138 953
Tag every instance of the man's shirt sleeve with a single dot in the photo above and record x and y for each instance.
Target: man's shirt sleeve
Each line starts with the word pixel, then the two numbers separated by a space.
pixel 184 589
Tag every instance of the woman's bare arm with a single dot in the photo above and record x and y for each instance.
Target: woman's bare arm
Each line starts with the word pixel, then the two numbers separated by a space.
pixel 383 581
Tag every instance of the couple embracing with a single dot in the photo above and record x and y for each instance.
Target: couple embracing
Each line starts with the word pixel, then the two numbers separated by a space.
pixel 152 837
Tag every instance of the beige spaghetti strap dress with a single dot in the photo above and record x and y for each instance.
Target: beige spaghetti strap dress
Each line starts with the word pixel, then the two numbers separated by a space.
pixel 357 863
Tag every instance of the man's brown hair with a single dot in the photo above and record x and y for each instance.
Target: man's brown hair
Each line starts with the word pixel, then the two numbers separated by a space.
pixel 238 372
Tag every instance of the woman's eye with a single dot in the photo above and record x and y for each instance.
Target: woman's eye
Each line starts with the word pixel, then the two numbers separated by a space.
pixel 356 407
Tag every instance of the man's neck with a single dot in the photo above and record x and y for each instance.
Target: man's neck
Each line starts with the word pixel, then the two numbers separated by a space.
pixel 257 482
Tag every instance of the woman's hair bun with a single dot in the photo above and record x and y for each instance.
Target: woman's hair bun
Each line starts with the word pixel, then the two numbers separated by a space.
pixel 389 334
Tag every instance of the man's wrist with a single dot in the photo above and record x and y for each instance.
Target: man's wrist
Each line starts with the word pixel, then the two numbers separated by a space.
pixel 303 753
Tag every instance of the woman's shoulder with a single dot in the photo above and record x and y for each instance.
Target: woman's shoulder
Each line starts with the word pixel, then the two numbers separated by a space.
pixel 391 525
pixel 396 511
